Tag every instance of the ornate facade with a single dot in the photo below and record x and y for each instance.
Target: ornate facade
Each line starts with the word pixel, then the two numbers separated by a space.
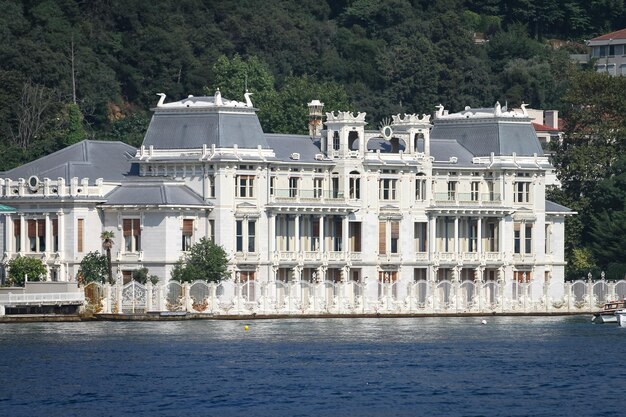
pixel 454 197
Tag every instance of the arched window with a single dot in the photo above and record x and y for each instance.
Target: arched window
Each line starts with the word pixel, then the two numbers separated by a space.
pixel 418 143
pixel 353 141
pixel 355 185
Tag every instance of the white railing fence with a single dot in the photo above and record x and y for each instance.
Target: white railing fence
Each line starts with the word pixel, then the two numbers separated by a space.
pixel 350 297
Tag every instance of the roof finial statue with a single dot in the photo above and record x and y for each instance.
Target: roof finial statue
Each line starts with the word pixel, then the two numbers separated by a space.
pixel 439 112
pixel 218 98
pixel 161 100
pixel 523 106
pixel 498 109
pixel 247 97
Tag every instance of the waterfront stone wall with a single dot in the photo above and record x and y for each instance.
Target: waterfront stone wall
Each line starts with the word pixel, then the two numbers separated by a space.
pixel 350 297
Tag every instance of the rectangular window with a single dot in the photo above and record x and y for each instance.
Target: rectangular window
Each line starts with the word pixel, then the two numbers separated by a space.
pixel 239 237
pixel 395 236
pixel 472 242
pixel 475 187
pixel 132 235
pixel 187 234
pixel 211 180
pixel 80 226
pixel 37 235
pixel 293 187
pixel 317 187
pixel 492 237
pixel 387 189
pixel 17 235
pixel 517 238
pixel 272 185
pixel 528 239
pixel 355 187
pixel 522 192
pixel 451 190
pixel 420 189
pixel 355 236
pixel 212 231
pixel 419 274
pixel 337 234
pixel 245 235
pixel 55 235
pixel 420 233
pixel 245 186
pixel 335 187
pixel 251 235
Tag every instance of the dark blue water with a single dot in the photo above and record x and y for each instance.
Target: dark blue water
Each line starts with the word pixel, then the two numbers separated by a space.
pixel 335 367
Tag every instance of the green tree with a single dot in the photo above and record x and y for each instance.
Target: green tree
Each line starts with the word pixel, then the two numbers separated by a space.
pixel 205 261
pixel 107 243
pixel 75 129
pixel 142 276
pixel 23 268
pixel 93 267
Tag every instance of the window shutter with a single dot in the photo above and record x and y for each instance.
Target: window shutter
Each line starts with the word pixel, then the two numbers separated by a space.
pixel 55 227
pixel 41 228
pixel 17 227
pixel 127 225
pixel 32 228
pixel 79 243
pixel 188 227
pixel 382 237
pixel 395 230
pixel 136 227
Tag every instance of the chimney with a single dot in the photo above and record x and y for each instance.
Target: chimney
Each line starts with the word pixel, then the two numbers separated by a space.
pixel 315 117
pixel 552 118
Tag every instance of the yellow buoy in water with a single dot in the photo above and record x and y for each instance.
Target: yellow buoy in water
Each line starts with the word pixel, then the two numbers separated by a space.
pixel 246 327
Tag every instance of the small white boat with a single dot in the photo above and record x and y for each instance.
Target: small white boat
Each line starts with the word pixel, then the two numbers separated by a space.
pixel 607 314
pixel 620 315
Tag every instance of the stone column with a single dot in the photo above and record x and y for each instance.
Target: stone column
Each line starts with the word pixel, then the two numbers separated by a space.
pixel 272 235
pixel 297 233
pixel 321 245
pixel 456 235
pixel 344 234
pixel 479 235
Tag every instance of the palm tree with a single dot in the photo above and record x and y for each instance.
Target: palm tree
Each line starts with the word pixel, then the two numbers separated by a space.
pixel 107 244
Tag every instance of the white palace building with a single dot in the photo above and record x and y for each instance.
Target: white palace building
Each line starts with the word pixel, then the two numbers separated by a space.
pixel 455 197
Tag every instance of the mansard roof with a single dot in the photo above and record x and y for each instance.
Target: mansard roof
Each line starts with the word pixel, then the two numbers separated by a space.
pixel 285 146
pixel 93 159
pixel 445 150
pixel 489 130
pixel 204 121
pixel 161 194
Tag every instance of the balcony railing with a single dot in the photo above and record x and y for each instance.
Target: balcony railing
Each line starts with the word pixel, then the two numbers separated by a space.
pixel 297 195
pixel 464 199
pixel 44 298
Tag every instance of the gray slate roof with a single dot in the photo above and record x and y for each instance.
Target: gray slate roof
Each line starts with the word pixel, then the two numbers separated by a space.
pixel 153 194
pixel 91 159
pixel 552 207
pixel 443 149
pixel 187 130
pixel 285 145
pixel 481 139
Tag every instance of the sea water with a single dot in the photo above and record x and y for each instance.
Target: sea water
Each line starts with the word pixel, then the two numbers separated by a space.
pixel 511 366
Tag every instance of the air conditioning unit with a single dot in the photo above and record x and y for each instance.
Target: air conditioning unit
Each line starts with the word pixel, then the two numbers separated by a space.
pixel 295 156
pixel 319 156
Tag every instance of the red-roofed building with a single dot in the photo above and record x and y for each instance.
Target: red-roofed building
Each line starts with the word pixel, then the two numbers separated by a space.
pixel 610 52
